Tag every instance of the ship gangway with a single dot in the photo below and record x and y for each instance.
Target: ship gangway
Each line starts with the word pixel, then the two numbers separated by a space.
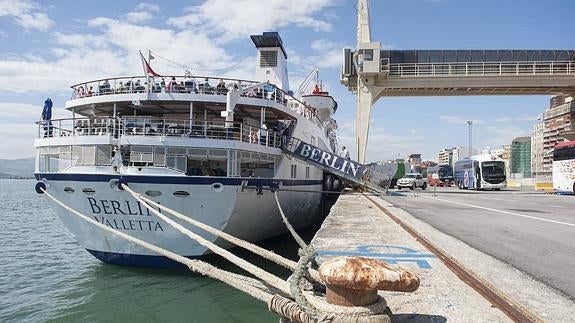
pixel 350 171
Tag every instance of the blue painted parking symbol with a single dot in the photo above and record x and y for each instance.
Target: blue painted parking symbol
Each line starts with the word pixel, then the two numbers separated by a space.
pixel 390 254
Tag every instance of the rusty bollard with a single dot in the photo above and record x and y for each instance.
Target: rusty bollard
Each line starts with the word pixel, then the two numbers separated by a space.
pixel 354 281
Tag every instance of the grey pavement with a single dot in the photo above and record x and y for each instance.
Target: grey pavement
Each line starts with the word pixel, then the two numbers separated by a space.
pixel 499 221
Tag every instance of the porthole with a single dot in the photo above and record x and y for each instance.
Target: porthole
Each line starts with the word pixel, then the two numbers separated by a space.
pixel 153 193
pixel 217 187
pixel 89 191
pixel 68 189
pixel 181 193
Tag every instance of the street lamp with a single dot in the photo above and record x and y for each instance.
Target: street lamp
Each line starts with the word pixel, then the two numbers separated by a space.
pixel 470 150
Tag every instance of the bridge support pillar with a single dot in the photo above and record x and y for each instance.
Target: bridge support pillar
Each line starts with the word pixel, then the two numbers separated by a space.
pixel 366 97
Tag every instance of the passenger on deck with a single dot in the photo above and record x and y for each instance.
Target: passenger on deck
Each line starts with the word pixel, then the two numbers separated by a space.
pixel 263 134
pixel 221 87
pixel 205 87
pixel 344 152
pixel 90 91
pixel 173 85
pixel 120 87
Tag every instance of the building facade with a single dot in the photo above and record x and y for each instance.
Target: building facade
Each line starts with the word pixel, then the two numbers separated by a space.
pixel 450 155
pixel 537 150
pixel 557 120
pixel 520 161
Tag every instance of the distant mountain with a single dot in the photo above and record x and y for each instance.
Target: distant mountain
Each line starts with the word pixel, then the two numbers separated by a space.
pixel 17 167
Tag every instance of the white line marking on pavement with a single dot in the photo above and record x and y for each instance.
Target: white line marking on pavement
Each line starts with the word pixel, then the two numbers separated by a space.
pixel 501 211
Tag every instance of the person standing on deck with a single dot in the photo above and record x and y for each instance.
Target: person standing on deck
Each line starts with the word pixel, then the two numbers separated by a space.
pixel 345 153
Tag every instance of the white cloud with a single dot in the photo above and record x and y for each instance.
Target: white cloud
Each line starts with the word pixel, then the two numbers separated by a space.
pixel 26 14
pixel 144 12
pixel 503 119
pixel 237 18
pixel 458 120
pixel 495 136
pixel 381 144
pixel 112 50
pixel 138 16
pixel 525 118
pixel 18 110
pixel 147 7
pixel 21 142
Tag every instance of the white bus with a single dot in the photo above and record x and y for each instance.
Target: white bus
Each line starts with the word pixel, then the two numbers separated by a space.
pixel 480 172
pixel 564 167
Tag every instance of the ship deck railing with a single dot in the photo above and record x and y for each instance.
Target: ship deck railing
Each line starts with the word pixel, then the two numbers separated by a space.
pixel 191 85
pixel 151 126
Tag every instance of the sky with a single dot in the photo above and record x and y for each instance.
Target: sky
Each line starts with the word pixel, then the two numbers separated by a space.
pixel 47 46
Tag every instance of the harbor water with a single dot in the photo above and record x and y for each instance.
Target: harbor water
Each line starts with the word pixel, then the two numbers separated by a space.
pixel 46 276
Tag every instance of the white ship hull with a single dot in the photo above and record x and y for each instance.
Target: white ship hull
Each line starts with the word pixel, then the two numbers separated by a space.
pixel 244 214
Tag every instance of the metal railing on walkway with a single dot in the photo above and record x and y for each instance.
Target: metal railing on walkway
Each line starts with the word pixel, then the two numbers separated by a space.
pixel 479 69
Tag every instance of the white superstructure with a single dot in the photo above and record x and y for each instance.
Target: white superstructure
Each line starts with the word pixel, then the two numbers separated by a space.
pixel 196 144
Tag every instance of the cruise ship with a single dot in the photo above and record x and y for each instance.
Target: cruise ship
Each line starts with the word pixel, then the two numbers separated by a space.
pixel 200 145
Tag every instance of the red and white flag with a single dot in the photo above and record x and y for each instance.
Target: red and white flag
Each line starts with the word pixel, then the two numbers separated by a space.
pixel 147 68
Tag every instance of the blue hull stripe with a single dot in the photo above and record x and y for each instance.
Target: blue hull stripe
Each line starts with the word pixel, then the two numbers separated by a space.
pixel 195 180
pixel 122 259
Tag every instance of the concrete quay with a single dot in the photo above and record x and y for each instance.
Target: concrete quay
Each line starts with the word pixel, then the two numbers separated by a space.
pixel 357 226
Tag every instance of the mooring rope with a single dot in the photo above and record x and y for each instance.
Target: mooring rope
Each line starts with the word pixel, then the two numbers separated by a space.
pixel 294 234
pixel 267 254
pixel 247 285
pixel 269 278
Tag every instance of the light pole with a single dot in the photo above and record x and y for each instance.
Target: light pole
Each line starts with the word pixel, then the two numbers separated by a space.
pixel 470 150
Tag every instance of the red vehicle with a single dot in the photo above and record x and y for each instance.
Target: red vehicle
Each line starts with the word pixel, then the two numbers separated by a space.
pixel 440 175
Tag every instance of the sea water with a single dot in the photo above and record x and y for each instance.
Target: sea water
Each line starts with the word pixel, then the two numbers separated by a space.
pixel 46 276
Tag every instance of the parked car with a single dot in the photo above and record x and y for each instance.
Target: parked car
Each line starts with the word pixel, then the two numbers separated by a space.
pixel 412 180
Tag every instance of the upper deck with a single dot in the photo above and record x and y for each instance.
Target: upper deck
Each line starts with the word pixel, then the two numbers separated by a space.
pixel 180 95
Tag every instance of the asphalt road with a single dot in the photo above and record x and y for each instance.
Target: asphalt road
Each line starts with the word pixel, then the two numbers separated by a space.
pixel 531 231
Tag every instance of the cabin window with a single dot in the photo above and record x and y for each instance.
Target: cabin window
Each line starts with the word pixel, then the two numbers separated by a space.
pixel 177 162
pixel 268 58
pixel 254 164
pixel 159 156
pixel 293 171
pixel 84 155
pixel 103 155
pixel 307 172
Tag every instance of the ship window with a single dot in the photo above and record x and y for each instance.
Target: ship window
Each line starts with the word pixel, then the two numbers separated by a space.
pixel 268 58
pixel 177 162
pixel 293 171
pixel 153 193
pixel 84 155
pixel 103 155
pixel 89 191
pixel 68 189
pixel 307 172
pixel 159 156
pixel 181 193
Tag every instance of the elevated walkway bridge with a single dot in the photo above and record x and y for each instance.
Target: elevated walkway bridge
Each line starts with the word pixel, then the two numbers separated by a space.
pixel 373 73
pixel 461 72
